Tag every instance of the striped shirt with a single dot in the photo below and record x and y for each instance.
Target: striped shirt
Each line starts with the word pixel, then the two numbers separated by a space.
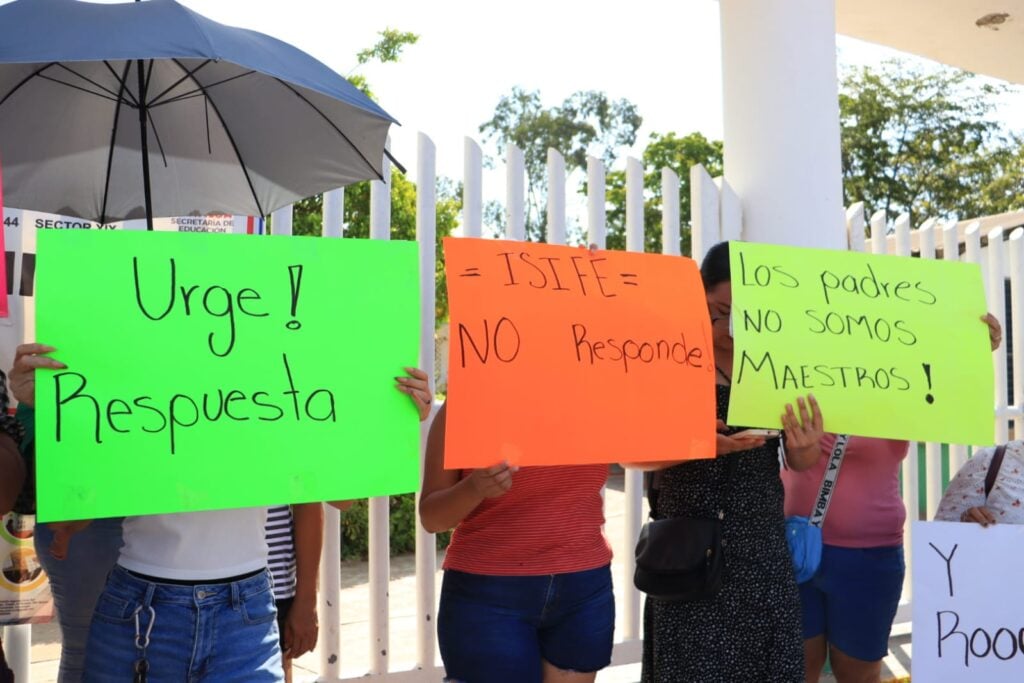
pixel 281 551
pixel 549 522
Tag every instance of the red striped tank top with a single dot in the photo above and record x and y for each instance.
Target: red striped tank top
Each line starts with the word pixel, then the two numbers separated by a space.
pixel 549 522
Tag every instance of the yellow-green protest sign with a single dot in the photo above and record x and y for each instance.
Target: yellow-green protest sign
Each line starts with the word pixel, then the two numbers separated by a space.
pixel 890 347
pixel 222 371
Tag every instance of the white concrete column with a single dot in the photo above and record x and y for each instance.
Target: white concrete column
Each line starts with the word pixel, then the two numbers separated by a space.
pixel 781 112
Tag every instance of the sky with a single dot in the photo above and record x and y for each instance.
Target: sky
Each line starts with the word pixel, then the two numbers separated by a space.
pixel 663 56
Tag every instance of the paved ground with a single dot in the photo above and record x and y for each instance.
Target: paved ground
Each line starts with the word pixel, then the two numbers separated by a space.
pixel 355 619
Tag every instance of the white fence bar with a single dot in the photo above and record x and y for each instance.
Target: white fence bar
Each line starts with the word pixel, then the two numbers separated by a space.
pixel 670 212
pixel 997 306
pixel 901 228
pixel 951 252
pixel 378 531
pixel 329 643
pixel 556 198
pixel 426 235
pixel 879 244
pixel 333 214
pixel 972 249
pixel 933 451
pixel 855 225
pixel 705 219
pixel 281 221
pixel 731 215
pixel 515 193
pixel 634 478
pixel 596 228
pixel 472 189
pixel 18 646
pixel 1015 245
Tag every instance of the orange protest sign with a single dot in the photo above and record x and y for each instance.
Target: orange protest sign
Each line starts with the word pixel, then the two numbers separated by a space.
pixel 561 356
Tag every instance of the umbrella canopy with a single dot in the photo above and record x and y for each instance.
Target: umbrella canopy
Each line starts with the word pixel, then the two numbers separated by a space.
pixel 99 103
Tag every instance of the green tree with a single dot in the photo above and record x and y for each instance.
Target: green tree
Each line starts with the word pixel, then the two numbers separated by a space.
pixel 307 214
pixel 587 122
pixel 924 141
pixel 663 151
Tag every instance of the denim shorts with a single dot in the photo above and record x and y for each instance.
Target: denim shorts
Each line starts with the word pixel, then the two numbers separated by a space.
pixel 853 598
pixel 498 629
pixel 210 633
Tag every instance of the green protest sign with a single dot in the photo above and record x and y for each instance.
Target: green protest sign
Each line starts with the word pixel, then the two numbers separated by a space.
pixel 891 347
pixel 222 371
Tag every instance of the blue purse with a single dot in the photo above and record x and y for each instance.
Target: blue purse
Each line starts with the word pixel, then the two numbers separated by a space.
pixel 803 534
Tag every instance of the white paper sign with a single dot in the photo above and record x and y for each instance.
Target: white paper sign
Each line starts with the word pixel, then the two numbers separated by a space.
pixel 968 604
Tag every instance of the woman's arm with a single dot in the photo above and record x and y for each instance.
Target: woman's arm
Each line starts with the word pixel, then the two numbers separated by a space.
pixel 446 498
pixel 301 629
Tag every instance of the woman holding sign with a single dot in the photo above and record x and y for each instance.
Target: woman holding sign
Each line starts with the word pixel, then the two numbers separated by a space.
pixel 849 604
pixel 527 592
pixel 750 629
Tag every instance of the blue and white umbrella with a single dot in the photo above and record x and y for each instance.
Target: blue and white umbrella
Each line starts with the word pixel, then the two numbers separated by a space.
pixel 143 109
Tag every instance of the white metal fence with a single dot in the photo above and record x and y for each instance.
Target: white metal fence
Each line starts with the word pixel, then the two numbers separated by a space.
pixel 716 215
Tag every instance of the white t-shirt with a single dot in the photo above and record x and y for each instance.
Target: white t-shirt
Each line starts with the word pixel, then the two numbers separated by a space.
pixel 196 545
pixel 967 490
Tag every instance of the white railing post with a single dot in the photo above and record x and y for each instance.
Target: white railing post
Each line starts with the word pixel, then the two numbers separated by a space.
pixel 972 249
pixel 18 646
pixel 730 212
pixel 855 225
pixel 556 198
pixel 997 307
pixel 333 213
pixel 472 189
pixel 379 532
pixel 634 478
pixel 330 561
pixel 597 231
pixel 515 195
pixel 426 235
pixel 281 221
pixel 879 243
pixel 951 252
pixel 705 223
pixel 670 235
pixel 901 229
pixel 933 451
pixel 1016 336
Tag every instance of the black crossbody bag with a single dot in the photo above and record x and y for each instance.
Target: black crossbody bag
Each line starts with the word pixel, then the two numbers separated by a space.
pixel 681 559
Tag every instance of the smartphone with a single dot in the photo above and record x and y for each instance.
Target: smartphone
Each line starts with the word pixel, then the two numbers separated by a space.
pixel 753 433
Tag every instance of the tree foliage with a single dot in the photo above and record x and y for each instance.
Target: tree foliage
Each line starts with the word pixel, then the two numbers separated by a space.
pixel 662 151
pixel 924 142
pixel 587 122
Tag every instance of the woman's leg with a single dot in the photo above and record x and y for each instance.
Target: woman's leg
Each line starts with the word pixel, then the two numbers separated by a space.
pixel 812 608
pixel 849 669
pixel 76 583
pixel 815 650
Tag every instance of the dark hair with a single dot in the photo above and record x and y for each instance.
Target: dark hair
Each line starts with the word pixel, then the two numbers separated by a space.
pixel 714 269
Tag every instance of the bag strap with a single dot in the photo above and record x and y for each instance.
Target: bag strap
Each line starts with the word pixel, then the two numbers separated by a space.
pixel 993 468
pixel 828 481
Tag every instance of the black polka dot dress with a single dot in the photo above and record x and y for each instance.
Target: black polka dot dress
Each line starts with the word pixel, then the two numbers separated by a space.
pixel 750 632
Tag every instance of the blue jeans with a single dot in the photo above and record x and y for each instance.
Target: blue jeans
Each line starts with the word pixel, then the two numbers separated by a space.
pixel 498 629
pixel 76 583
pixel 211 633
pixel 853 599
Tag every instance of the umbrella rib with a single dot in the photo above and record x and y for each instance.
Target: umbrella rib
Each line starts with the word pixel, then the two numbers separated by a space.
pixel 156 134
pixel 231 138
pixel 77 87
pixel 24 81
pixel 120 79
pixel 156 100
pixel 88 80
pixel 332 125
pixel 113 138
pixel 201 89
